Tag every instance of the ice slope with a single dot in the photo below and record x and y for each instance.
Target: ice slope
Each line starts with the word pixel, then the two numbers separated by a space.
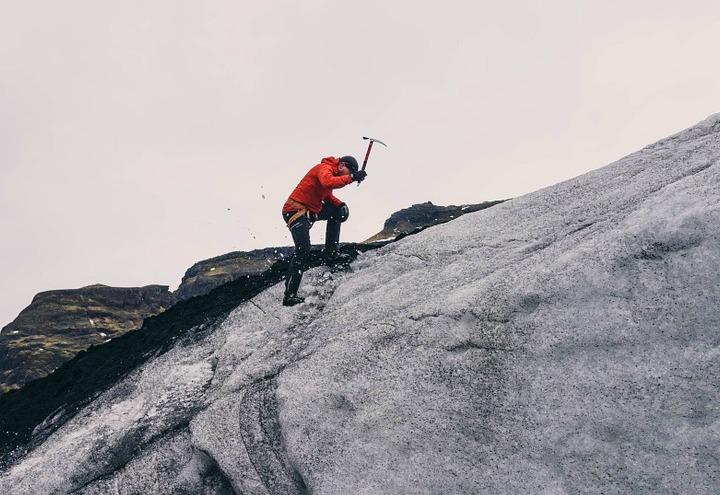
pixel 563 342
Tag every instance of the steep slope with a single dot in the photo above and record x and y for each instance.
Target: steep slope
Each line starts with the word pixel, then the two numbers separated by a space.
pixel 60 323
pixel 561 342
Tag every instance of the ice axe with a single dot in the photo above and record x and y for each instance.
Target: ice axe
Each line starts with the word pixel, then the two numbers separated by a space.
pixel 367 155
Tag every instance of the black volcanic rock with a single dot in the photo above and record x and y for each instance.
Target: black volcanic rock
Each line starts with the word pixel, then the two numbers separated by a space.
pixel 422 215
pixel 60 323
pixel 205 275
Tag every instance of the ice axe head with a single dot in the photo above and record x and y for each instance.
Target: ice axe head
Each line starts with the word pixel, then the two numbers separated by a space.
pixel 374 140
pixel 370 145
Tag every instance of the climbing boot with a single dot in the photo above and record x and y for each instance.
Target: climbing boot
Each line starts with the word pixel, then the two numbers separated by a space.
pixel 292 300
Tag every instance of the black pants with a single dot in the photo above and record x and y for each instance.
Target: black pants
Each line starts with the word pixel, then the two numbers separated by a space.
pixel 300 230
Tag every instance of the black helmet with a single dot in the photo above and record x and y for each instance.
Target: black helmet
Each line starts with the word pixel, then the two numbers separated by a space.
pixel 350 162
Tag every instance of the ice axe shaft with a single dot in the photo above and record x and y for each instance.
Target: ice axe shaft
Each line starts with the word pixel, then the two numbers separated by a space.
pixel 367 154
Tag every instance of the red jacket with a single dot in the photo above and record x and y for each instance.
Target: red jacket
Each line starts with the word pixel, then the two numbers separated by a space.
pixel 317 186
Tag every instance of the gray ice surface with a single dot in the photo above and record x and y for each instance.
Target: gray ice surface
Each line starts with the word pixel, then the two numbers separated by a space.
pixel 563 342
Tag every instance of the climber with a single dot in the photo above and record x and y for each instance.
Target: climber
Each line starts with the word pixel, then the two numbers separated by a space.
pixel 311 200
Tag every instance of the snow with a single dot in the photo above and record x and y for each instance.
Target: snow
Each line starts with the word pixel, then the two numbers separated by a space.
pixel 562 342
pixel 382 239
pixel 710 122
pixel 148 403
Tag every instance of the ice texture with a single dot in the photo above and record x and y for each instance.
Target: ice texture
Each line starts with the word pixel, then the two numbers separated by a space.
pixel 566 341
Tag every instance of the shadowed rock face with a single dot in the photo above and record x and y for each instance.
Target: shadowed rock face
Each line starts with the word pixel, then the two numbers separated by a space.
pixel 424 215
pixel 562 342
pixel 58 324
pixel 205 275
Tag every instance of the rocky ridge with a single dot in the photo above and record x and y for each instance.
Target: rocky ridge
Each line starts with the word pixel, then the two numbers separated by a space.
pixel 60 323
pixel 422 215
pixel 208 274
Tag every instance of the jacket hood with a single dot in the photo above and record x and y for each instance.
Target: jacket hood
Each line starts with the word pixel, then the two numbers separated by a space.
pixel 332 161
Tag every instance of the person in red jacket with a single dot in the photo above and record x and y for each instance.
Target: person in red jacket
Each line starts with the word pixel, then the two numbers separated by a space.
pixel 312 200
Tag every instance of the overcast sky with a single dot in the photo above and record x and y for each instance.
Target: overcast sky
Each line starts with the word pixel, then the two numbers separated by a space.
pixel 138 137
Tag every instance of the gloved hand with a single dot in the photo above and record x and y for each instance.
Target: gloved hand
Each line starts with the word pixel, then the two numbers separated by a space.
pixel 344 212
pixel 358 176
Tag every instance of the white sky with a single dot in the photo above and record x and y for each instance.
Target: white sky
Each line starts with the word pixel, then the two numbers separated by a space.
pixel 127 129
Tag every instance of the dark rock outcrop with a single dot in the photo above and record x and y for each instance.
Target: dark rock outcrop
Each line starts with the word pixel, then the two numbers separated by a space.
pixel 423 215
pixel 60 323
pixel 205 275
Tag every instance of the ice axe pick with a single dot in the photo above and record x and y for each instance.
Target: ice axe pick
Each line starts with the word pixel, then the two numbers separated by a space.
pixel 367 154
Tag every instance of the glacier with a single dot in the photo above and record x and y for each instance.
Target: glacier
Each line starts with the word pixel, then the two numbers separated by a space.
pixel 566 341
